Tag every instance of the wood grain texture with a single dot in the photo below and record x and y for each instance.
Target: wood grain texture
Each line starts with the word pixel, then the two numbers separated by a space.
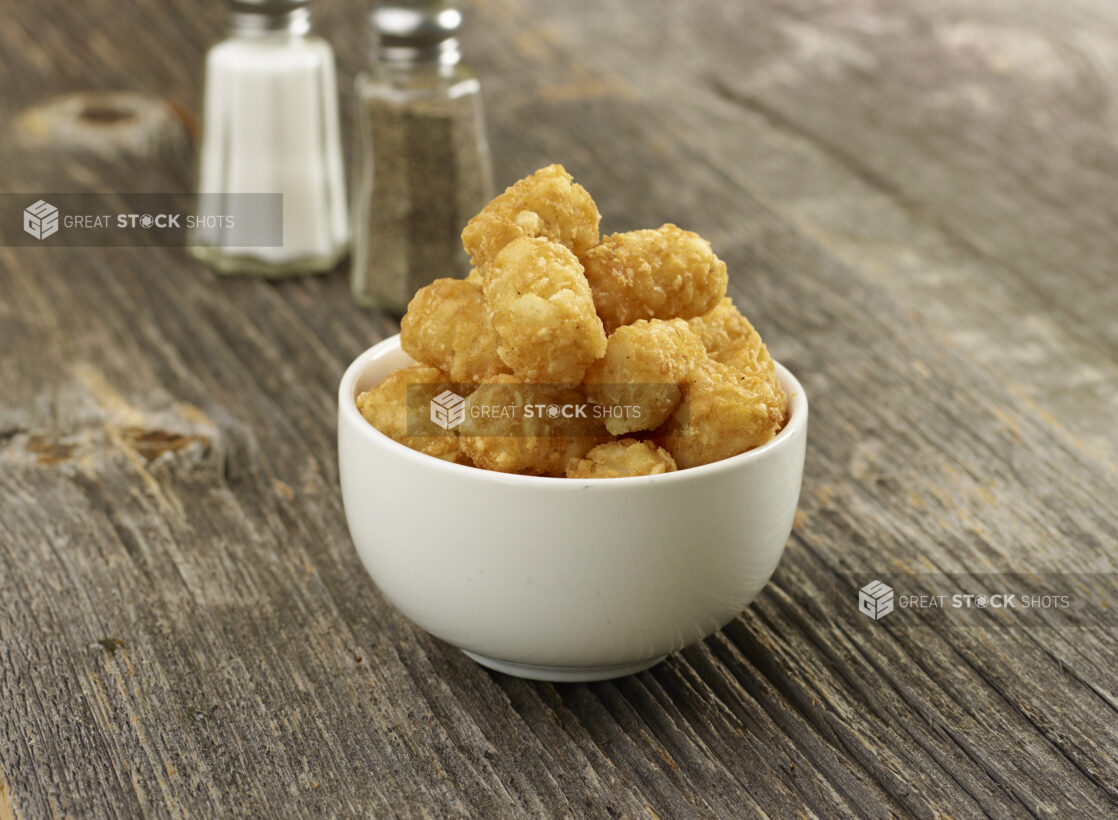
pixel 916 204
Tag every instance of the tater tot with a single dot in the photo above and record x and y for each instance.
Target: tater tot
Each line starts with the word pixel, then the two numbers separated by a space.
pixel 638 378
pixel 386 408
pixel 500 434
pixel 730 338
pixel 541 308
pixel 547 204
pixel 447 326
pixel 723 413
pixel 621 458
pixel 634 331
pixel 664 273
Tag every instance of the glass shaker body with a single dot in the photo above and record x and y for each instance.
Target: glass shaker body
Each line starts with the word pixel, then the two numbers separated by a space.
pixel 270 125
pixel 422 170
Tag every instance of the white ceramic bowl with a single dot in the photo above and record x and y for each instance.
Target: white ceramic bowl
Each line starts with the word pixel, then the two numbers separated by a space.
pixel 564 579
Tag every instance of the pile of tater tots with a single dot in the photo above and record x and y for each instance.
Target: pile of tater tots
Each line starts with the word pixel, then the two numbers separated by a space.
pixel 636 326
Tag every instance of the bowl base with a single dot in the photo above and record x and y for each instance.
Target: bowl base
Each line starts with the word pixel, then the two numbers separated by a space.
pixel 563 674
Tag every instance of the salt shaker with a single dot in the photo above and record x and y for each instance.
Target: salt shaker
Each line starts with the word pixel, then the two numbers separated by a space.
pixel 270 125
pixel 422 161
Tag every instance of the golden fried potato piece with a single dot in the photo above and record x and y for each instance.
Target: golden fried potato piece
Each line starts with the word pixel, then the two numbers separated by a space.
pixel 654 274
pixel 386 408
pixel 724 413
pixel 548 203
pixel 638 379
pixel 729 338
pixel 541 308
pixel 447 326
pixel 621 458
pixel 501 433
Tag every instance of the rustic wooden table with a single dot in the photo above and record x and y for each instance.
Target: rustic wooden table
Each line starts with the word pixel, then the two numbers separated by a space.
pixel 917 204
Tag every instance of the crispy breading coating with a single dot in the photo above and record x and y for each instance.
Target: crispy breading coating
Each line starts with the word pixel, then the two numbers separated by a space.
pixel 541 308
pixel 386 408
pixel 724 413
pixel 623 457
pixel 654 274
pixel 501 433
pixel 730 338
pixel 447 326
pixel 528 328
pixel 638 378
pixel 548 204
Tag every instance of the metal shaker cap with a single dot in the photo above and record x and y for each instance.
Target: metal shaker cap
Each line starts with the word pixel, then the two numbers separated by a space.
pixel 268 6
pixel 264 16
pixel 417 32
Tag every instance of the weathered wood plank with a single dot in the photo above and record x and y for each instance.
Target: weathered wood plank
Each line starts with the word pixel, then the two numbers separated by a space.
pixel 186 629
pixel 858 126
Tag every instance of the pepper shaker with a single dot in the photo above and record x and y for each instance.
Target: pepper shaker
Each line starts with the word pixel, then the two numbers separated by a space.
pixel 270 125
pixel 422 160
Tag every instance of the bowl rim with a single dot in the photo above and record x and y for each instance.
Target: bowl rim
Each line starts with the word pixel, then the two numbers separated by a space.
pixel 348 414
